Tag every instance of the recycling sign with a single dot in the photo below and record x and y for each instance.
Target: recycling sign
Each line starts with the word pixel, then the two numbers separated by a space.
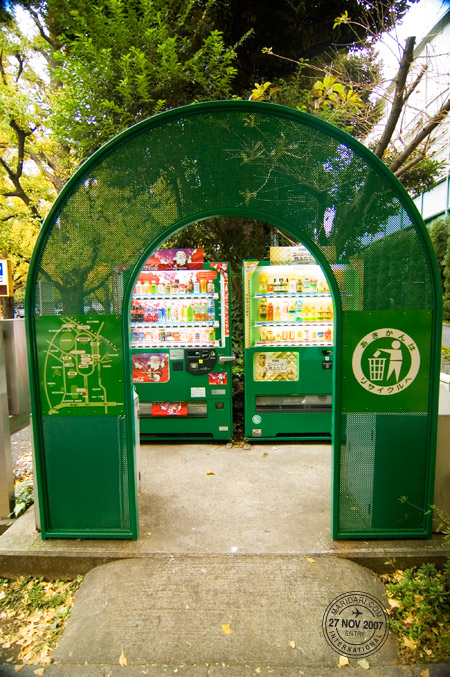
pixel 386 361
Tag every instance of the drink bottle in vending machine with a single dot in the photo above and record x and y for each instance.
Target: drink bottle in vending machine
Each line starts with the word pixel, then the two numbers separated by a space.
pixel 288 355
pixel 181 348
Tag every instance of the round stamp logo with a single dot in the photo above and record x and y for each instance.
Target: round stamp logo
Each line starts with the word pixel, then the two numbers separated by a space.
pixel 256 419
pixel 386 361
pixel 355 624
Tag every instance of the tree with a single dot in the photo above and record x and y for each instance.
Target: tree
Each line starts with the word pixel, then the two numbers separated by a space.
pixel 121 62
pixel 300 29
pixel 32 169
pixel 112 63
pixel 358 106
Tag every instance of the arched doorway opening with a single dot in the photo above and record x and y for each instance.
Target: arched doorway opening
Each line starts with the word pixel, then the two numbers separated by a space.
pixel 240 243
pixel 316 183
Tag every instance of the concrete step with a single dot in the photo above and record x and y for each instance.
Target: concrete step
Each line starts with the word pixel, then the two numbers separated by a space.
pixel 244 613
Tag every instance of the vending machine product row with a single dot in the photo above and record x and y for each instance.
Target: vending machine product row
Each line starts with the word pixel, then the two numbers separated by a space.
pixel 288 350
pixel 181 352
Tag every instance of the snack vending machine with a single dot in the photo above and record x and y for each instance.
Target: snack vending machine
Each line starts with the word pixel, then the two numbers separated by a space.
pixel 288 347
pixel 181 347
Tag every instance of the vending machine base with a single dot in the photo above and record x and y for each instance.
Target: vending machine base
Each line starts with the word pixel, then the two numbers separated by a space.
pixel 199 421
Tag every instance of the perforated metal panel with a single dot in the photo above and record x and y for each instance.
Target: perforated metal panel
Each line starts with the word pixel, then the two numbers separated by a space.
pixel 277 165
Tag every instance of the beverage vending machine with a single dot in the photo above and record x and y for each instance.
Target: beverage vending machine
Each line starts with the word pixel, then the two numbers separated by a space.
pixel 288 347
pixel 181 347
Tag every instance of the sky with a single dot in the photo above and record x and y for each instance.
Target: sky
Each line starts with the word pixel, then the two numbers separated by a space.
pixel 418 21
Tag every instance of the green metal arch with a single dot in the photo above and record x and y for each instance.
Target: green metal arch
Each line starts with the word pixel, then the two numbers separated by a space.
pixel 217 110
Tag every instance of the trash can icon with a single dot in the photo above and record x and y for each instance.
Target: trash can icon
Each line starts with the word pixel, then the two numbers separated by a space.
pixel 376 368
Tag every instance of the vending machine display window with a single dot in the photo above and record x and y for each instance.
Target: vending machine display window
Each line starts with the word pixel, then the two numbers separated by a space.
pixel 289 333
pixel 181 347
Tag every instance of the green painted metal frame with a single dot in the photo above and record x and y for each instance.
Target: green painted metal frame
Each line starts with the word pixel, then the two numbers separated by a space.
pixel 301 119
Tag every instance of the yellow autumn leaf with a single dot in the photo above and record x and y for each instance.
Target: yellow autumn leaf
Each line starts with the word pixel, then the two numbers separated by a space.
pixel 363 664
pixel 429 653
pixel 122 660
pixel 258 671
pixel 393 603
pixel 418 598
pixel 39 672
pixel 435 630
pixel 210 473
pixel 425 673
pixel 226 628
pixel 292 644
pixel 311 559
pixel 409 643
pixel 343 661
pixel 408 621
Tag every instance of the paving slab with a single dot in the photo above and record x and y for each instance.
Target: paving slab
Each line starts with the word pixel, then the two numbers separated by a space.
pixel 257 611
pixel 183 670
pixel 271 499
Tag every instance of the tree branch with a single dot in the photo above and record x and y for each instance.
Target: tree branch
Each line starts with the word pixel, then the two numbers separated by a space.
pixel 409 165
pixel 434 122
pixel 41 160
pixel 53 43
pixel 2 70
pixel 19 192
pixel 399 97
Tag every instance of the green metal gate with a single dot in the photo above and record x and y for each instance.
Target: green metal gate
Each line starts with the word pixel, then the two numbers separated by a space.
pixel 246 159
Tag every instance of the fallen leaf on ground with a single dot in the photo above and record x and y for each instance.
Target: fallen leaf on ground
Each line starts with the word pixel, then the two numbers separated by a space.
pixel 425 673
pixel 18 668
pixel 409 643
pixel 393 603
pixel 39 672
pixel 292 644
pixel 363 664
pixel 408 621
pixel 258 671
pixel 226 629
pixel 311 559
pixel 210 473
pixel 343 661
pixel 122 660
pixel 265 454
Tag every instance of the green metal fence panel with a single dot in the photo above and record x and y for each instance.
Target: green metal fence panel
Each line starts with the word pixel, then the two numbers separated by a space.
pixel 249 159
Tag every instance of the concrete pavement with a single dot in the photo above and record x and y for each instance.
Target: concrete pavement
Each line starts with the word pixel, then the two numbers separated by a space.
pixel 228 538
pixel 272 499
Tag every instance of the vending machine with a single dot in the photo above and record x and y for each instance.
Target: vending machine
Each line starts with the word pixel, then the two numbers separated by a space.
pixel 288 347
pixel 181 347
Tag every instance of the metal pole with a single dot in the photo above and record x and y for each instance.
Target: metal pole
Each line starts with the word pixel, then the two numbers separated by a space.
pixel 6 473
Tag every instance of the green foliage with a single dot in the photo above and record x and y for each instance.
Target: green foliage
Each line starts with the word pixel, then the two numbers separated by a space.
pixel 446 271
pixel 23 492
pixel 439 234
pixel 32 166
pixel 420 176
pixel 123 62
pixel 420 607
pixel 340 95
